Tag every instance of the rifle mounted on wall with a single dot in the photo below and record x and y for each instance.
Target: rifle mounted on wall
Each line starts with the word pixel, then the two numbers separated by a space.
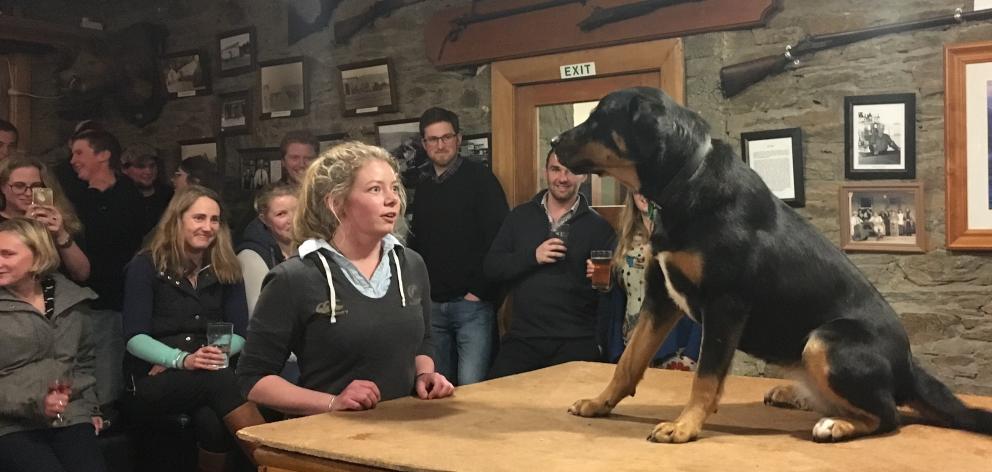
pixel 459 24
pixel 604 16
pixel 735 78
pixel 348 27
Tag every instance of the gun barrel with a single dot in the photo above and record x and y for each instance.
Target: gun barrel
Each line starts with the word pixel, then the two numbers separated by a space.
pixel 348 27
pixel 737 77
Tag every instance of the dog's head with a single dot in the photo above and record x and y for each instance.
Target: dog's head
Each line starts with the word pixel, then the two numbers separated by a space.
pixel 631 133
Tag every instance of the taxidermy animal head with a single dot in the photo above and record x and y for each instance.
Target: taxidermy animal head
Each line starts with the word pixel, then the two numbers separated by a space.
pixel 122 67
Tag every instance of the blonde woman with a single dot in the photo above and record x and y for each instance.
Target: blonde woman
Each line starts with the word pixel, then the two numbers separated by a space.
pixel 184 279
pixel 19 176
pixel 269 241
pixel 44 425
pixel 354 307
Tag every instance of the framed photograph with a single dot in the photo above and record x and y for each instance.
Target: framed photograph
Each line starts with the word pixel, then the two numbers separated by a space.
pixel 259 167
pixel 968 145
pixel 882 217
pixel 236 51
pixel 206 147
pixel 185 74
pixel 282 88
pixel 777 156
pixel 402 139
pixel 328 141
pixel 475 147
pixel 235 113
pixel 880 137
pixel 368 88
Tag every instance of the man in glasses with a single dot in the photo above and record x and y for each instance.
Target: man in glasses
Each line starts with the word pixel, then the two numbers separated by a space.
pixel 141 163
pixel 457 209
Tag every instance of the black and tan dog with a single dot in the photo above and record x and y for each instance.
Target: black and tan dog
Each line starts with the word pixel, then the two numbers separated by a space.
pixel 756 275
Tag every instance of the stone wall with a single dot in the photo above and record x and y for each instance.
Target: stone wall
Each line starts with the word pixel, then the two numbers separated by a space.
pixel 944 298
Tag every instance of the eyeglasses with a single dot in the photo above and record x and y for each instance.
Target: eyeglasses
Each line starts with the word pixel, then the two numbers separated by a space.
pixel 21 187
pixel 435 140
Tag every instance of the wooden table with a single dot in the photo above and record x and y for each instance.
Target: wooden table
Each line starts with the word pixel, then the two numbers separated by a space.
pixel 520 423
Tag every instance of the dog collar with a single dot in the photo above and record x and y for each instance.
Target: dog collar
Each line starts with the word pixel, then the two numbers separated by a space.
pixel 689 170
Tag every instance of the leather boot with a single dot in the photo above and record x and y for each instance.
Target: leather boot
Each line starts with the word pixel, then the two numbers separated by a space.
pixel 211 461
pixel 242 417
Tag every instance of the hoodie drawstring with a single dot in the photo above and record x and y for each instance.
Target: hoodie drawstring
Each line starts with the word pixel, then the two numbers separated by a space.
pixel 399 276
pixel 330 286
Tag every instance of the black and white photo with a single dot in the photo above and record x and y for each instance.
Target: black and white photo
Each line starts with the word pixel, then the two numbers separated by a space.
pixel 880 136
pixel 777 156
pixel 402 139
pixel 883 217
pixel 475 147
pixel 259 167
pixel 368 88
pixel 328 141
pixel 236 51
pixel 235 113
pixel 206 147
pixel 185 74
pixel 282 88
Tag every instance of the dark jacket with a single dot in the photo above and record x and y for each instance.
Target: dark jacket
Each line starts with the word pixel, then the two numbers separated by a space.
pixel 256 237
pixel 549 300
pixel 168 308
pixel 35 350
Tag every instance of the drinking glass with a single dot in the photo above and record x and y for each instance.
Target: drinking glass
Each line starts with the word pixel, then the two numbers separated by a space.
pixel 219 335
pixel 601 269
pixel 61 384
pixel 561 232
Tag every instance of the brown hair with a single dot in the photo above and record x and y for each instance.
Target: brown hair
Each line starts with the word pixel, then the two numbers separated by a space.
pixel 69 219
pixel 168 249
pixel 633 233
pixel 333 174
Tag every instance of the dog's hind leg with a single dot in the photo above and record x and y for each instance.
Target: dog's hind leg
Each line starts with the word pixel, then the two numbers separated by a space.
pixel 723 322
pixel 658 316
pixel 789 396
pixel 852 380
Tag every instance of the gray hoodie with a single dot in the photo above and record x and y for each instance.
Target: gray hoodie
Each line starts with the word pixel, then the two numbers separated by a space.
pixel 35 350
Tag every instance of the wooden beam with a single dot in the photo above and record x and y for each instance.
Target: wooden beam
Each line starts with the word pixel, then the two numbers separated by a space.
pixel 20 106
pixel 30 34
pixel 556 30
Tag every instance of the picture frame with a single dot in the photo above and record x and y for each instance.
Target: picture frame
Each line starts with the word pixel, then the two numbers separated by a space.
pixel 367 88
pixel 882 217
pixel 185 74
pixel 282 88
pixel 401 138
pixel 328 141
pixel 477 148
pixel 880 136
pixel 234 113
pixel 199 147
pixel 236 51
pixel 967 131
pixel 777 157
pixel 260 166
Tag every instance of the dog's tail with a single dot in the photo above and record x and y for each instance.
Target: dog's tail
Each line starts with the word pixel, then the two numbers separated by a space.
pixel 935 400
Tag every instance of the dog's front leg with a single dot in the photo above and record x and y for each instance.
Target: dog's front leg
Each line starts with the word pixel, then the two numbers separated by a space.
pixel 723 322
pixel 658 316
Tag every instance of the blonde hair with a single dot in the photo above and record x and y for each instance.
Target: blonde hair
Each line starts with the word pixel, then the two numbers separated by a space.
pixel 633 232
pixel 167 246
pixel 333 174
pixel 35 236
pixel 19 161
pixel 271 192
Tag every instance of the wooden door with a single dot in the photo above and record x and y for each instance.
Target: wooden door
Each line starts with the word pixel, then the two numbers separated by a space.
pixel 524 90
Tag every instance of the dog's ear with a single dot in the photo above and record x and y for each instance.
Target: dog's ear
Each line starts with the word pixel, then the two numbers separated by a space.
pixel 645 123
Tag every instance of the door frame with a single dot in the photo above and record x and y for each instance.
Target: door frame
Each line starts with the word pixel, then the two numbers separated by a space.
pixel 665 56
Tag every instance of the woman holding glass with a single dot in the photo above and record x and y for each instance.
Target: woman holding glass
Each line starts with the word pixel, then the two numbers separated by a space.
pixel 49 414
pixel 19 176
pixel 354 307
pixel 186 278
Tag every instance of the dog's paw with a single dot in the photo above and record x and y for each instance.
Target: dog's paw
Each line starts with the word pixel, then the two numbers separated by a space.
pixel 833 430
pixel 787 396
pixel 674 432
pixel 589 408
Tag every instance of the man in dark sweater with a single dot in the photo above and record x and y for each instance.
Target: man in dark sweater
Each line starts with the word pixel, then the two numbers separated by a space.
pixel 554 306
pixel 457 210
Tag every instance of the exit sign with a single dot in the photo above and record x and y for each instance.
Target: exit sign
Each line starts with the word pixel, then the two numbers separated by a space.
pixel 574 71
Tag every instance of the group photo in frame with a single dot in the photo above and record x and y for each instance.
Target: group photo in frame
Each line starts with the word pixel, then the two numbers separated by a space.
pixel 777 157
pixel 968 145
pixel 282 88
pixel 235 114
pixel 367 88
pixel 259 167
pixel 236 51
pixel 401 138
pixel 476 147
pixel 880 136
pixel 185 74
pixel 882 217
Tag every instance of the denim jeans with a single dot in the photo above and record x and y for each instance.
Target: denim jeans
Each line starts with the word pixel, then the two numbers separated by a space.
pixel 463 339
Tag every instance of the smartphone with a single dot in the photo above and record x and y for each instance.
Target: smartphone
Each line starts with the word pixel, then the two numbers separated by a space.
pixel 42 196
